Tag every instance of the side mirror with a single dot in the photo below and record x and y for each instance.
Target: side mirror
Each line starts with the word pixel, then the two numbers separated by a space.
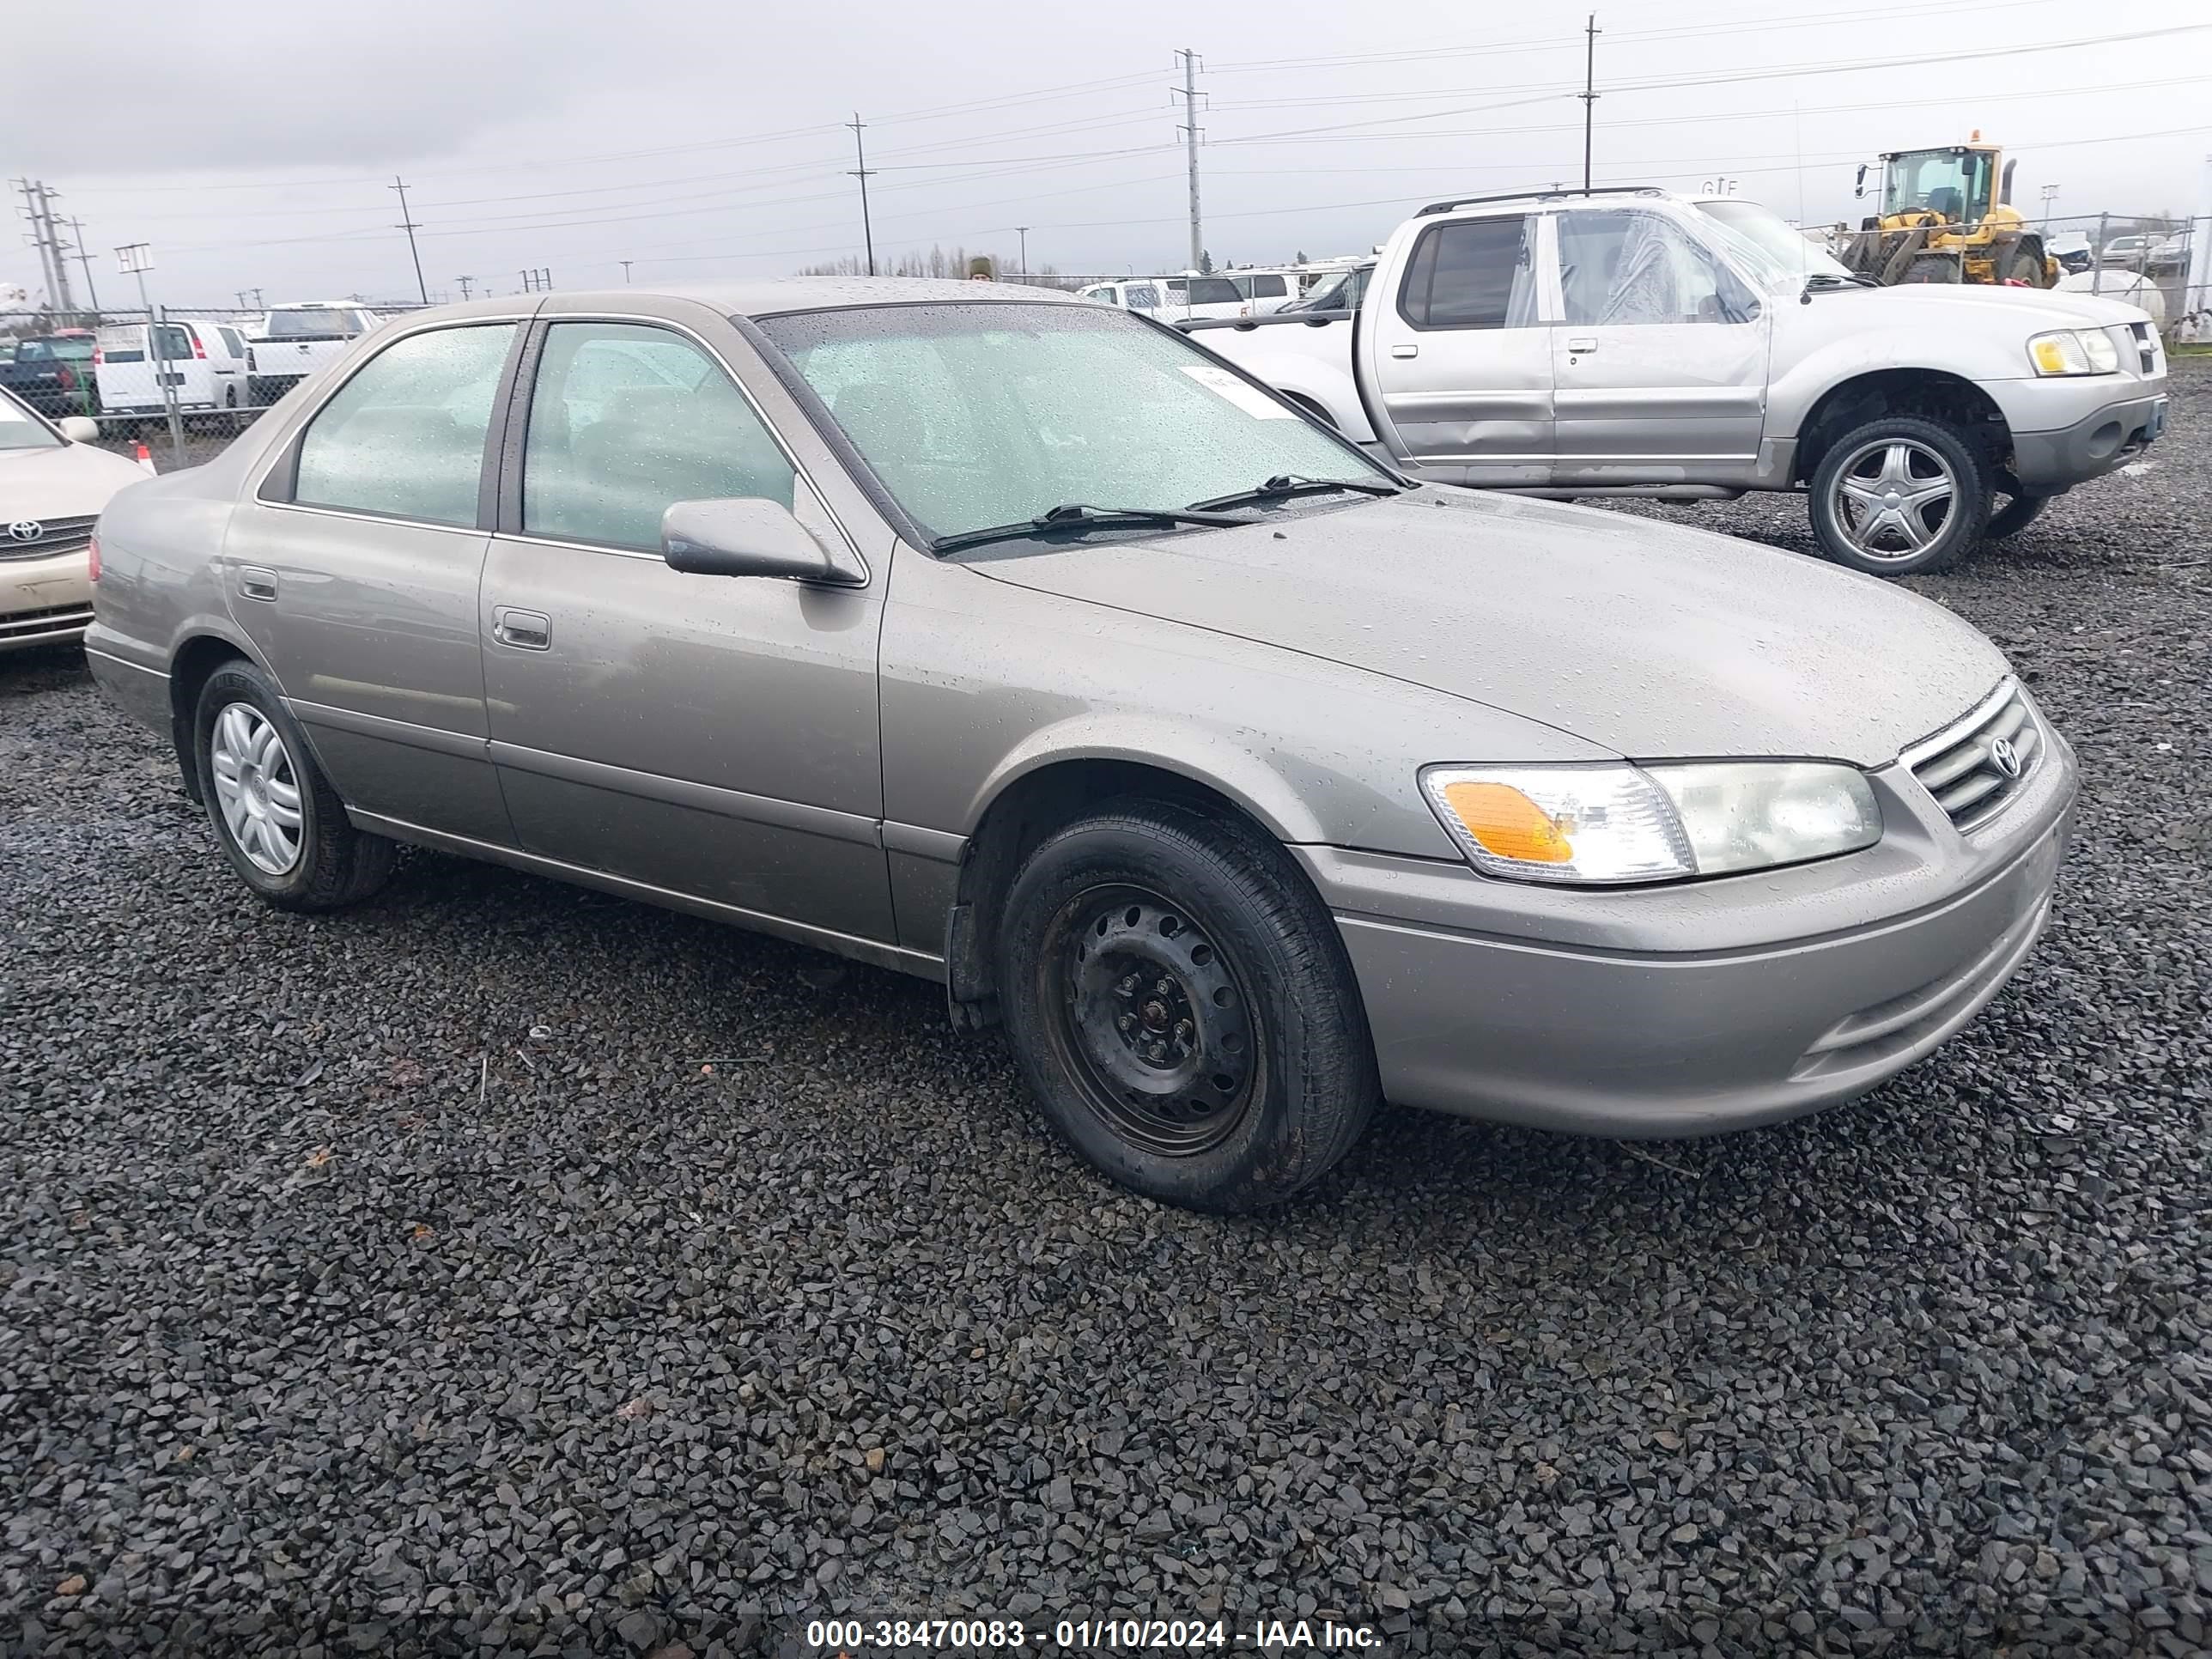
pixel 750 536
pixel 1859 189
pixel 79 430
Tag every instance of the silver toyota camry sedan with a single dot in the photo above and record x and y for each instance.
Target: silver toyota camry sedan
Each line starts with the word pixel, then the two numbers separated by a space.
pixel 1023 645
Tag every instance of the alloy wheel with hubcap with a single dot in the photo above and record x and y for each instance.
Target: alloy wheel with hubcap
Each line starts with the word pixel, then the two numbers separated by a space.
pixel 1895 497
pixel 1901 495
pixel 256 788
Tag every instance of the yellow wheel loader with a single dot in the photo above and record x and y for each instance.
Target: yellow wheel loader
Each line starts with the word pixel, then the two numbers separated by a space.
pixel 1946 217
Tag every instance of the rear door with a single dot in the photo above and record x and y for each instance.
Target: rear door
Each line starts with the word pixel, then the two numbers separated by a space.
pixel 355 570
pixel 124 371
pixel 1660 357
pixel 1457 360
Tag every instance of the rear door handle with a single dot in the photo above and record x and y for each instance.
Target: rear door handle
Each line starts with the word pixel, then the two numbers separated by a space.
pixel 525 630
pixel 258 583
pixel 1582 342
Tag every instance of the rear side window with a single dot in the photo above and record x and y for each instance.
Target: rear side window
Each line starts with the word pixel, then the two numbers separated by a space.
pixel 1477 273
pixel 405 435
pixel 1269 288
pixel 232 344
pixel 172 342
pixel 1210 291
pixel 626 420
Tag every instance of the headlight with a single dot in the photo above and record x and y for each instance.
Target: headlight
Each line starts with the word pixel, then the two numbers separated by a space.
pixel 2074 352
pixel 1616 822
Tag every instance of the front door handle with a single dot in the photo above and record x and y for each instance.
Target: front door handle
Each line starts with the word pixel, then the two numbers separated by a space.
pixel 257 583
pixel 525 630
pixel 1582 342
pixel 1405 351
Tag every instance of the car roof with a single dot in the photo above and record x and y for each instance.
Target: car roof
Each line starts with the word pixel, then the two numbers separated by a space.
pixel 774 297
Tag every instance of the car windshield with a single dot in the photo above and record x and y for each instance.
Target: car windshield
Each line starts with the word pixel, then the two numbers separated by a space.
pixel 1954 183
pixel 295 323
pixel 982 414
pixel 21 430
pixel 1767 247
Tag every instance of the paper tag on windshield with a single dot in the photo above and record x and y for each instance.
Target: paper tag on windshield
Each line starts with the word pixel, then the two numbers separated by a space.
pixel 1250 399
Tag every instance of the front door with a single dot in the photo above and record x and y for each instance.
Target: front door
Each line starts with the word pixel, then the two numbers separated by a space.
pixel 1460 354
pixel 711 736
pixel 1660 357
pixel 357 581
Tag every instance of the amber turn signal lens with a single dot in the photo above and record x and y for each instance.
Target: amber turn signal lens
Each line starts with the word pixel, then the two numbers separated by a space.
pixel 1506 823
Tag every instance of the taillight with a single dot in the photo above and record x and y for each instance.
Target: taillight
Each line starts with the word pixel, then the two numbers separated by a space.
pixel 98 356
pixel 198 350
pixel 92 558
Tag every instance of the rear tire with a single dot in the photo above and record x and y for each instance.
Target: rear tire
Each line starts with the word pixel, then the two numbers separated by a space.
pixel 1900 496
pixel 276 817
pixel 1180 1004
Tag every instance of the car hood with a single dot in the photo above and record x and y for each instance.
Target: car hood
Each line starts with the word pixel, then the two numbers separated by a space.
pixel 1650 639
pixel 1943 304
pixel 70 482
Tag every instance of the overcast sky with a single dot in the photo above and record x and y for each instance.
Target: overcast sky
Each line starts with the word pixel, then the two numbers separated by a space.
pixel 252 142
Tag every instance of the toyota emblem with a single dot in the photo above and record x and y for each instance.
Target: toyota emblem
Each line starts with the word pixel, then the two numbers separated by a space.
pixel 2005 758
pixel 26 529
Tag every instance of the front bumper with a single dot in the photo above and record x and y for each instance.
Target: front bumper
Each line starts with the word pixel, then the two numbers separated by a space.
pixel 1704 1006
pixel 2106 437
pixel 44 601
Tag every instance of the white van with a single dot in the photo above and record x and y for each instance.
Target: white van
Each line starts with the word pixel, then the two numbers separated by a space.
pixel 1172 298
pixel 1144 294
pixel 297 338
pixel 1266 292
pixel 204 361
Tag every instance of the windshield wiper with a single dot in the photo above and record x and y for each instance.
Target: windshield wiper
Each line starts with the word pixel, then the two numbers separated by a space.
pixel 1828 279
pixel 1080 515
pixel 1283 485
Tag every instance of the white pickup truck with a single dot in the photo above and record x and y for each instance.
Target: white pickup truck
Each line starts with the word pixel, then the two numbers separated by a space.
pixel 294 341
pixel 1637 341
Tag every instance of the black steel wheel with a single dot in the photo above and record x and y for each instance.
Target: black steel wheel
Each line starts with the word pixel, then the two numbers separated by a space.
pixel 1154 1021
pixel 1183 1008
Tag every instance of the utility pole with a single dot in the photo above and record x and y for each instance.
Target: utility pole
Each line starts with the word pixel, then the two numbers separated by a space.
pixel 625 265
pixel 53 260
pixel 1189 130
pixel 1023 231
pixel 464 281
pixel 407 223
pixel 1590 94
pixel 84 258
pixel 861 172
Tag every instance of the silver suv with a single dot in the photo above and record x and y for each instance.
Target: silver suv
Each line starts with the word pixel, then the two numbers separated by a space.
pixel 1634 342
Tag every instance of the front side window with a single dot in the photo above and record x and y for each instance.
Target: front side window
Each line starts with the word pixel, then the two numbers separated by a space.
pixel 983 414
pixel 1269 288
pixel 1619 266
pixel 405 435
pixel 626 420
pixel 1475 273
pixel 1143 297
pixel 1209 291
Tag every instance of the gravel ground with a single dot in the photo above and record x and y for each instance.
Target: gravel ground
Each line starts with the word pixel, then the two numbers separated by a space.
pixel 402 1282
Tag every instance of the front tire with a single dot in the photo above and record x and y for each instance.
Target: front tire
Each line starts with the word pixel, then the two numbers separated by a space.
pixel 1181 1005
pixel 2015 516
pixel 276 817
pixel 1900 496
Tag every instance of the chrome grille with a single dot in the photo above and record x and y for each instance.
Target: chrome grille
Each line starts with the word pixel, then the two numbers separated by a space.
pixel 52 536
pixel 1963 766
